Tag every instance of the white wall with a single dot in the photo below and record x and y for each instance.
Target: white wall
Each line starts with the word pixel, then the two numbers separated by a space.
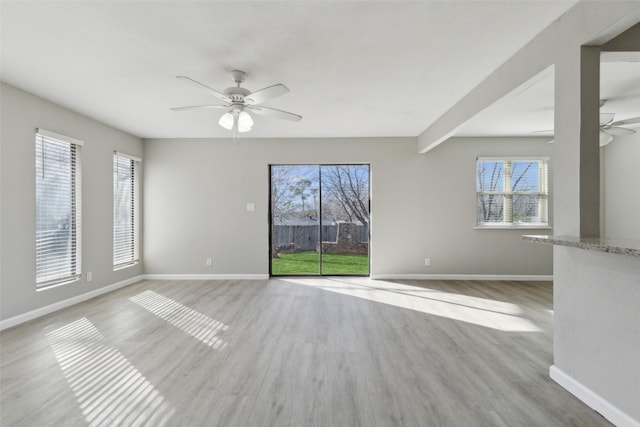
pixel 22 113
pixel 620 196
pixel 196 193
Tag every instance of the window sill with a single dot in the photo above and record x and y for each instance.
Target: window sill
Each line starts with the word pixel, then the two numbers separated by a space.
pixel 513 227
pixel 122 267
pixel 57 284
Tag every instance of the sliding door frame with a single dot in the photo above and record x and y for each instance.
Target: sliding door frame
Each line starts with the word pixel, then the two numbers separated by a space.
pixel 320 253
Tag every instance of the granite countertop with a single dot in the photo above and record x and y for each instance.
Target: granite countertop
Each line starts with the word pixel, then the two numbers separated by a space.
pixel 614 246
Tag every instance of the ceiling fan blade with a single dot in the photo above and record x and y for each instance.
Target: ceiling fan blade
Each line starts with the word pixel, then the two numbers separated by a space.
pixel 618 131
pixel 198 107
pixel 272 112
pixel 205 87
pixel 604 138
pixel 264 95
pixel 606 118
pixel 632 121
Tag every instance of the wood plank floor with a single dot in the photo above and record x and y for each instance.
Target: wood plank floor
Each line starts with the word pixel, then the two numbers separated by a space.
pixel 292 352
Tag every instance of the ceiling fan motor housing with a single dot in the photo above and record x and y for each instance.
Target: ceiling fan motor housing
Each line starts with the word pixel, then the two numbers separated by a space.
pixel 237 94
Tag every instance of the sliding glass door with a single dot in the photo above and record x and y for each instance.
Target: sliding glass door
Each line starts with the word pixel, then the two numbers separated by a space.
pixel 319 220
pixel 295 213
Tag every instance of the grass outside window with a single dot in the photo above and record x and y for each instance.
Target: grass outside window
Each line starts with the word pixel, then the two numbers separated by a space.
pixel 309 263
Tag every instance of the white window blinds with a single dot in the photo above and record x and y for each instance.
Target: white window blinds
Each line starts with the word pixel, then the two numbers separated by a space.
pixel 125 210
pixel 58 213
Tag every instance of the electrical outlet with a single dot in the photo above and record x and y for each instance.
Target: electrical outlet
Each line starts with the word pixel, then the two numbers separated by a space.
pixel 209 262
pixel 427 262
pixel 89 276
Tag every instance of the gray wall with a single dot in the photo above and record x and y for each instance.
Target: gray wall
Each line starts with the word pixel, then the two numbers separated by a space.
pixel 195 203
pixel 196 193
pixel 620 196
pixel 22 113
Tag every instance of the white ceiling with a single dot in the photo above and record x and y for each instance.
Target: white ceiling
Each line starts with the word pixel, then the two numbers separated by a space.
pixel 529 108
pixel 355 69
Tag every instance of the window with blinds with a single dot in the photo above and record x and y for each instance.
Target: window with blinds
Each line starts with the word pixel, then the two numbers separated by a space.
pixel 125 210
pixel 512 191
pixel 58 219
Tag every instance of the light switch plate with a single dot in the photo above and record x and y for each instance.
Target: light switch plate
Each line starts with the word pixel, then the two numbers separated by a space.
pixel 251 207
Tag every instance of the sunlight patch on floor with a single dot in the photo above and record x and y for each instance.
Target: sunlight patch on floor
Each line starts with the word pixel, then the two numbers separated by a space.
pixel 194 323
pixel 489 313
pixel 109 389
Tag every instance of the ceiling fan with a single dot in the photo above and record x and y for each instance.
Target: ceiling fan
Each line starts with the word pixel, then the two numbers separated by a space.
pixel 239 102
pixel 610 129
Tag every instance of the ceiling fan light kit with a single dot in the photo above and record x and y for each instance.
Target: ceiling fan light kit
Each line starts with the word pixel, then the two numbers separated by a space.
pixel 240 102
pixel 226 121
pixel 245 122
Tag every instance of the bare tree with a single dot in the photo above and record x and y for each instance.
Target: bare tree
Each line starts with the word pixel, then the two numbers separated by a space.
pixel 294 193
pixel 504 191
pixel 347 187
pixel 523 206
pixel 292 187
pixel 281 203
pixel 491 204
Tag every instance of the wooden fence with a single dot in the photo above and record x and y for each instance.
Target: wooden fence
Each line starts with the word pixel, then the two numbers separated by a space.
pixel 306 237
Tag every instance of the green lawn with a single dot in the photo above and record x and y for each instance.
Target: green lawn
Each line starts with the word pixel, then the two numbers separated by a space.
pixel 308 263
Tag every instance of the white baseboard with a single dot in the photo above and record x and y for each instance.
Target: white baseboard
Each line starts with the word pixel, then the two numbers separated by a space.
pixel 513 277
pixel 33 314
pixel 593 400
pixel 206 276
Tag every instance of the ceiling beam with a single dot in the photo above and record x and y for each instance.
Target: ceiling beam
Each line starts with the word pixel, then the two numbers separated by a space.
pixel 587 23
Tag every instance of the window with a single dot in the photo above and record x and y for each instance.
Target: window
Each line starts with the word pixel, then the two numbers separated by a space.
pixel 512 192
pixel 57 209
pixel 125 210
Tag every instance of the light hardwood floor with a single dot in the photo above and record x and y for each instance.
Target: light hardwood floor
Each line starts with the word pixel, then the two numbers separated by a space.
pixel 292 352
